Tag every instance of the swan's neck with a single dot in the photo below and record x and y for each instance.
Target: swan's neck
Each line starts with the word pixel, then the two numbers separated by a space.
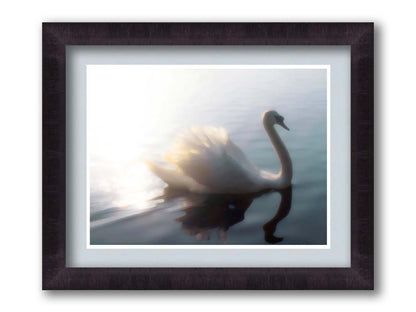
pixel 284 177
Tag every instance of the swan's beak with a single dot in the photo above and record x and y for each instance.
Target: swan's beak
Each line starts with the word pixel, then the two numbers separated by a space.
pixel 283 125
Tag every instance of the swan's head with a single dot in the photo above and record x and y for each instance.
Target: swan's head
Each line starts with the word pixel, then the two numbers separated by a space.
pixel 272 117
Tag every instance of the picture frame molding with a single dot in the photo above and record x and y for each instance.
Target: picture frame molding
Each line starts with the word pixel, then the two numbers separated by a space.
pixel 57 36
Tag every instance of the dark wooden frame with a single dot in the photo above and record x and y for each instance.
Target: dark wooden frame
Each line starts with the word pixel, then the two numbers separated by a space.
pixel 359 36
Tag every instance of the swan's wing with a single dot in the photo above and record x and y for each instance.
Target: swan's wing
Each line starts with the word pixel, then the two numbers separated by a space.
pixel 208 156
pixel 174 177
pixel 236 153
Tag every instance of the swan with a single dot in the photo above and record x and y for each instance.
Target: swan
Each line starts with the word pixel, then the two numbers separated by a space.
pixel 206 161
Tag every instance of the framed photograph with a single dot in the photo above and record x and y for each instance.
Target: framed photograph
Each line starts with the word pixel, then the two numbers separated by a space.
pixel 208 156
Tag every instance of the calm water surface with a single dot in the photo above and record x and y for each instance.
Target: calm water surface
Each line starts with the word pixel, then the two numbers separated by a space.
pixel 129 205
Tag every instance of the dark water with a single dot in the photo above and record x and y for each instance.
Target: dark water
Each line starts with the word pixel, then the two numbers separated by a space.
pixel 131 206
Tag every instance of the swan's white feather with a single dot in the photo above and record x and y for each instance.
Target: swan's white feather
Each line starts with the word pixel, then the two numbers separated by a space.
pixel 206 161
pixel 207 156
pixel 175 178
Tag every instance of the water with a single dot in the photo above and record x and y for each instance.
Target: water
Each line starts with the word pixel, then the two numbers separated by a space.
pixel 129 205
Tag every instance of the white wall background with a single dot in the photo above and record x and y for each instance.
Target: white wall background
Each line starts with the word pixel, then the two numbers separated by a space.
pixel 20 163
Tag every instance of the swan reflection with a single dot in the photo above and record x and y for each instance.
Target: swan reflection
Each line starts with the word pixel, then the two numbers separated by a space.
pixel 209 215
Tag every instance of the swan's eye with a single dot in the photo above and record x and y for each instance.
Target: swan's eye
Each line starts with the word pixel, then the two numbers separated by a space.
pixel 279 118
